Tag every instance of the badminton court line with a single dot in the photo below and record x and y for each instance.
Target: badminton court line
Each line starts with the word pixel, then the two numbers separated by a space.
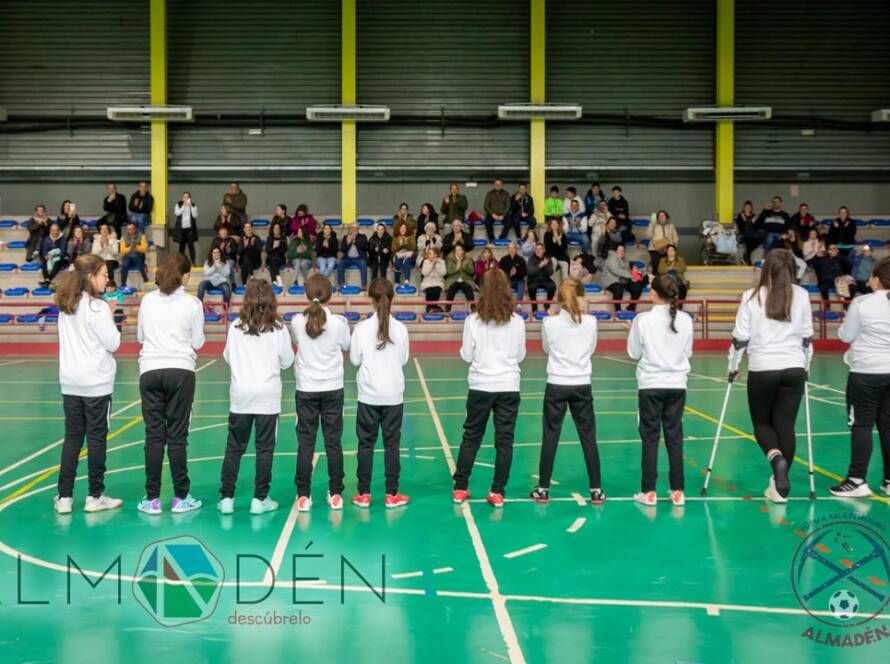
pixel 514 652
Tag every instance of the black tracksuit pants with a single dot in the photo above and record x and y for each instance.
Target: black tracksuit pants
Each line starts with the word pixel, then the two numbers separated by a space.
pixel 505 407
pixel 84 417
pixel 868 404
pixel 240 426
pixel 369 420
pixel 312 408
pixel 774 399
pixel 662 409
pixel 578 398
pixel 167 396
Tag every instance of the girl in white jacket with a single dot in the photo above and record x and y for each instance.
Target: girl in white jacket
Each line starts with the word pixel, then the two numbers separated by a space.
pixel 87 339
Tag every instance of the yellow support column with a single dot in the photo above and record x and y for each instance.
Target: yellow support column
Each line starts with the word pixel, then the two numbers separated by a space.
pixel 159 167
pixel 347 132
pixel 537 131
pixel 724 157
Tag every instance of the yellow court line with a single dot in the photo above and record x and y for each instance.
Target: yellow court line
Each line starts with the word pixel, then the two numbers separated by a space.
pixel 52 471
pixel 748 436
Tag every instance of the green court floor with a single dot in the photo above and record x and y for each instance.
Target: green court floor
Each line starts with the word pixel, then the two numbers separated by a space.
pixel 566 582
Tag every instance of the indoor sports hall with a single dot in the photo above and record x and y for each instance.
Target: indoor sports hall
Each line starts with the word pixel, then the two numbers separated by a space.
pixel 687 145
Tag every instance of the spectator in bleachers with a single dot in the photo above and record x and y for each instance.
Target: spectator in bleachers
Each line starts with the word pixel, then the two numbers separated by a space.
pixel 794 245
pixel 134 248
pixel 484 263
pixel 611 239
pixel 235 202
pixel 457 237
pixel 276 253
pixel 831 267
pixel 302 219
pixel 141 205
pixel 427 215
pixel 79 244
pixel 577 270
pixel 115 300
pixel 185 230
pixel 281 218
pixel 557 246
pixel 574 226
pixel 571 197
pixel 553 206
pixel 459 274
pixel 540 275
pixel 227 219
pixel 68 216
pixel 661 233
pixel 53 254
pixel 429 238
pixel 862 267
pixel 105 246
pixel 592 199
pixel 516 269
pixel 454 206
pixel 749 232
pixel 403 218
pixel 802 219
pixel 115 207
pixel 326 248
pixel 354 250
pixel 38 229
pixel 812 245
pixel 432 271
pixel 379 252
pixel 217 274
pixel 404 253
pixel 620 276
pixel 250 255
pixel 596 224
pixel 673 265
pixel 773 221
pixel 529 242
pixel 299 255
pixel 229 248
pixel 522 209
pixel 620 210
pixel 497 207
pixel 843 231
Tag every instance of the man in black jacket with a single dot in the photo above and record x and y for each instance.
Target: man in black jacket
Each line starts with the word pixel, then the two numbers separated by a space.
pixel 115 207
pixel 455 237
pixel 773 221
pixel 513 264
pixel 620 210
pixel 141 205
pixel 523 209
pixel 354 247
pixel 497 208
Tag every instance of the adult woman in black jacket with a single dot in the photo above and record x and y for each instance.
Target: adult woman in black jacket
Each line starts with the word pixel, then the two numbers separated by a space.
pixel 843 231
pixel 427 215
pixel 557 246
pixel 379 252
pixel 276 252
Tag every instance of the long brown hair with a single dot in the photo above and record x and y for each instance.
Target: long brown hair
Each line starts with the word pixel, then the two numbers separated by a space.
pixel 259 311
pixel 777 276
pixel 318 291
pixel 381 293
pixel 72 284
pixel 495 299
pixel 170 274
pixel 881 272
pixel 666 287
pixel 571 298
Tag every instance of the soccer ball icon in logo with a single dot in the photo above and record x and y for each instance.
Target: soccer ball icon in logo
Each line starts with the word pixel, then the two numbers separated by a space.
pixel 178 581
pixel 843 604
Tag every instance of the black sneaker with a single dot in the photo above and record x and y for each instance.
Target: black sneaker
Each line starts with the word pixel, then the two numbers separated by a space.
pixel 780 472
pixel 851 489
pixel 597 497
pixel 540 495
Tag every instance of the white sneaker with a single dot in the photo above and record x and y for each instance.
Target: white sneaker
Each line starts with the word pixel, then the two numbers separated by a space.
pixel 850 489
pixel 187 504
pixel 649 498
pixel 335 501
pixel 63 505
pixel 101 503
pixel 304 504
pixel 678 498
pixel 771 494
pixel 226 505
pixel 885 487
pixel 279 282
pixel 258 506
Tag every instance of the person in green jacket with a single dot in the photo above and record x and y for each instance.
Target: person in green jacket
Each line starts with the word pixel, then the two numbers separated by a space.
pixel 454 206
pixel 674 266
pixel 459 274
pixel 553 206
pixel 299 255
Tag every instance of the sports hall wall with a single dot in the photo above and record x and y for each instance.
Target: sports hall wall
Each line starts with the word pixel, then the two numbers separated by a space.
pixel 443 66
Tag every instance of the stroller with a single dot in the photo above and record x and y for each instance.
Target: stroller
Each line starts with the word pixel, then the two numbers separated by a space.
pixel 719 244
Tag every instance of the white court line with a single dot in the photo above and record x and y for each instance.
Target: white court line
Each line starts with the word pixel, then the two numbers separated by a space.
pixel 576 525
pixel 578 498
pixel 486 465
pixel 525 551
pixel 11 362
pixel 411 575
pixel 508 632
pixel 552 481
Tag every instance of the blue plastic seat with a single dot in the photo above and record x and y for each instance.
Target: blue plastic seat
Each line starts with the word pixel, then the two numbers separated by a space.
pixel 126 290
pixel 17 244
pixel 522 314
pixel 574 243
pixel 406 289
pixel 593 288
pixel 828 315
pixel 638 264
pixel 296 290
pixel 880 223
pixel 8 223
pixel 459 315
pixel 289 316
pixel 406 316
pixel 234 316
pixel 365 221
pixel 875 243
pixel 42 292
pixel 240 290
pixel 260 223
pixel 502 242
pixel 433 317
pixel 640 222
pixel 758 265
pixel 52 319
pixel 810 288
pixel 333 221
pixel 352 315
pixel 29 267
pixel 601 315
pixel 480 242
pixel 350 290
pixel 541 315
pixel 214 291
pixel 5 319
pixel 626 315
pixel 861 223
pixel 278 290
pixel 212 317
pixel 27 319
pixel 386 221
pixel 645 243
pixel 18 291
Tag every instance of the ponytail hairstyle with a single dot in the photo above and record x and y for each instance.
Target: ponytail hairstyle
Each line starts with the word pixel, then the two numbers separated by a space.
pixel 171 272
pixel 495 303
pixel 881 272
pixel 666 287
pixel 381 293
pixel 318 290
pixel 571 298
pixel 259 310
pixel 73 283
pixel 777 277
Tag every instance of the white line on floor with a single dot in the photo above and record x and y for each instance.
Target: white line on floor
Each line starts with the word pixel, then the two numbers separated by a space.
pixel 576 524
pixel 525 551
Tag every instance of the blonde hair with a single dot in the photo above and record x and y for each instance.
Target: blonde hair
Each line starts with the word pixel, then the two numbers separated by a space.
pixel 571 298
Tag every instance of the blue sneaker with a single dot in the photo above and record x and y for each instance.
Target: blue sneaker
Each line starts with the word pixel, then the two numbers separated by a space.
pixel 149 506
pixel 186 504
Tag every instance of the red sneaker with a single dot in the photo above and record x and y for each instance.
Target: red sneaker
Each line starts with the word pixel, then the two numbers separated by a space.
pixel 362 500
pixel 460 496
pixel 495 499
pixel 396 500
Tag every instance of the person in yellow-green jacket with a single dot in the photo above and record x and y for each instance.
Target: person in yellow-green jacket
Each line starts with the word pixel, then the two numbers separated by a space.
pixel 553 205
